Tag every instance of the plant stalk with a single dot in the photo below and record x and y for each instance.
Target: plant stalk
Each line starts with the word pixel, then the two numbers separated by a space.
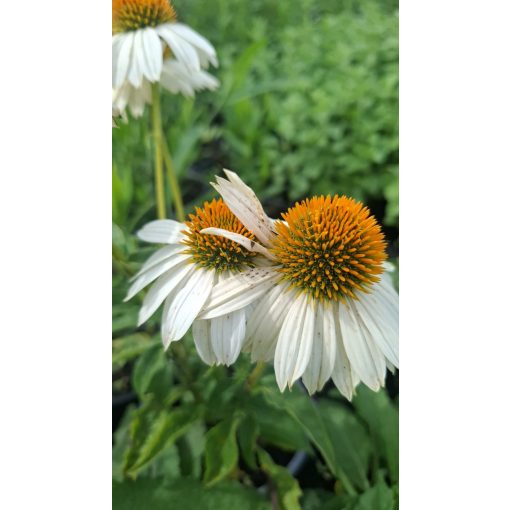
pixel 159 181
pixel 174 182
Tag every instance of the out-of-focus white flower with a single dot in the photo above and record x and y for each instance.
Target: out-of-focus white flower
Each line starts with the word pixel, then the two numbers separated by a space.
pixel 175 77
pixel 149 46
pixel 183 274
pixel 327 307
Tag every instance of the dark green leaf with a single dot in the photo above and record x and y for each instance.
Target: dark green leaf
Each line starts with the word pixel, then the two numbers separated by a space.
pixel 152 373
pixel 221 451
pixel 184 494
pixel 248 433
pixel 381 415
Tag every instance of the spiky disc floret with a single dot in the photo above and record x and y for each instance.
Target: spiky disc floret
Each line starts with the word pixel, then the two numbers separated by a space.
pixel 216 252
pixel 330 247
pixel 134 14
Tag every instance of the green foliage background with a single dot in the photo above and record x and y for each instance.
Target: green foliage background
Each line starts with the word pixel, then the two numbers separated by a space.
pixel 307 105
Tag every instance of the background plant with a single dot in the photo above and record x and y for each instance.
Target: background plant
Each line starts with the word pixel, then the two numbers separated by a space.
pixel 307 105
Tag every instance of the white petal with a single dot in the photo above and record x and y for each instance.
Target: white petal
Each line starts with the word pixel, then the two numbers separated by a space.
pixel 243 202
pixel 159 256
pixel 227 336
pixel 238 291
pixel 342 374
pixel 122 45
pixel 265 322
pixel 137 64
pixel 365 357
pixel 185 305
pixel 239 239
pixel 153 53
pixel 181 49
pixel 202 336
pixel 381 330
pixel 322 359
pixel 162 231
pixel 194 38
pixel 154 272
pixel 161 289
pixel 295 340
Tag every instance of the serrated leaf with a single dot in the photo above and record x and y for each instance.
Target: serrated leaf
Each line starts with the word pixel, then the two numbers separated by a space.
pixel 221 453
pixel 129 347
pixel 286 485
pixel 165 429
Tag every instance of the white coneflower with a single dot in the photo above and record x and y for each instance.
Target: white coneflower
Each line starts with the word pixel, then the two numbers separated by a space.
pixel 184 272
pixel 175 77
pixel 145 34
pixel 328 308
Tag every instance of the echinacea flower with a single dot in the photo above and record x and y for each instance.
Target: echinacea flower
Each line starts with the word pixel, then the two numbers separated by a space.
pixel 184 272
pixel 328 308
pixel 175 77
pixel 150 46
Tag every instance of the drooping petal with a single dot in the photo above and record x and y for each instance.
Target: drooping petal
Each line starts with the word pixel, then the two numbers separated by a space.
pixel 243 202
pixel 161 289
pixel 365 357
pixel 265 322
pixel 381 329
pixel 154 272
pixel 181 48
pixel 249 244
pixel 238 291
pixel 185 305
pixel 322 359
pixel 295 340
pixel 198 41
pixel 137 64
pixel 162 231
pixel 343 377
pixel 122 45
pixel 153 54
pixel 227 336
pixel 202 335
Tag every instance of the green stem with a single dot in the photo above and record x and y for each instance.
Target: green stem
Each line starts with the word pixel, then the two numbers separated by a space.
pixel 159 182
pixel 174 182
pixel 255 375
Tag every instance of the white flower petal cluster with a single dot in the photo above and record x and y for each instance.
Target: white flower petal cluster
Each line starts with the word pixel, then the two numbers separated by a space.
pixel 139 58
pixel 352 340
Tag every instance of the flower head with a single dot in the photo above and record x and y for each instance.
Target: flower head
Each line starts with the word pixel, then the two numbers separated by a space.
pixel 183 274
pixel 331 310
pixel 150 46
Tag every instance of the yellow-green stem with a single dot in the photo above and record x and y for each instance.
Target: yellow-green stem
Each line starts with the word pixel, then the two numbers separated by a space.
pixel 159 181
pixel 255 375
pixel 174 182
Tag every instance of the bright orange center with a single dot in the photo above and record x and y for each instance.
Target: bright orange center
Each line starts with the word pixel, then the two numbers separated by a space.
pixel 330 247
pixel 216 252
pixel 134 14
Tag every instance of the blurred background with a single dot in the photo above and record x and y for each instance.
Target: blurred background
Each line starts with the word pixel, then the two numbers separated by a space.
pixel 308 104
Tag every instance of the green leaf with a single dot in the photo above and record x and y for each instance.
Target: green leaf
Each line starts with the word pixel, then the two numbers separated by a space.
pixel 286 485
pixel 378 497
pixel 184 494
pixel 221 453
pixel 351 443
pixel 152 373
pixel 381 415
pixel 165 428
pixel 247 434
pixel 286 435
pixel 129 347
